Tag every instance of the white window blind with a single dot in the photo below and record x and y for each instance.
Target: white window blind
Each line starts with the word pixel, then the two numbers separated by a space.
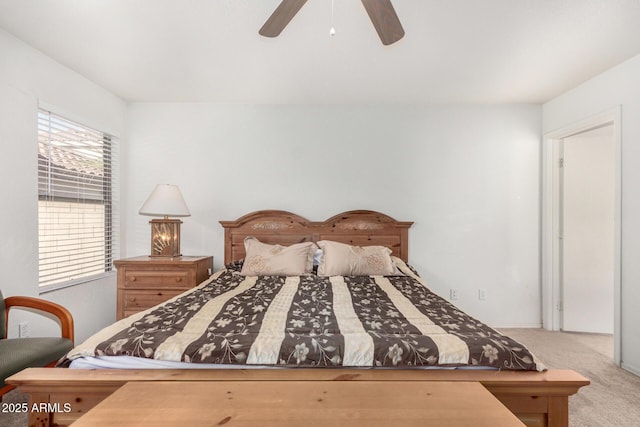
pixel 76 201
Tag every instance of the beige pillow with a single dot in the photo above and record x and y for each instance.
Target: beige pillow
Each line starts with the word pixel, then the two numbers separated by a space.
pixel 276 260
pixel 339 259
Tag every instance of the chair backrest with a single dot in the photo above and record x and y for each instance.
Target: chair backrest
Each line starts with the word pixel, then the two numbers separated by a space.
pixel 3 318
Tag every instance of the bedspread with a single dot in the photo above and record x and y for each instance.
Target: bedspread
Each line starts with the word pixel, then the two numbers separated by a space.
pixel 340 321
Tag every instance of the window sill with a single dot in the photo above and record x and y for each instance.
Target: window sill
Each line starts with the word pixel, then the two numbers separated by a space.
pixel 84 280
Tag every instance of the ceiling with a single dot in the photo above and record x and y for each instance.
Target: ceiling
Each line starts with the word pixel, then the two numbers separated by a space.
pixel 454 51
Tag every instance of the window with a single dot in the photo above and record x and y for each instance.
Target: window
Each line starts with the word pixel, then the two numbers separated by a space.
pixel 76 209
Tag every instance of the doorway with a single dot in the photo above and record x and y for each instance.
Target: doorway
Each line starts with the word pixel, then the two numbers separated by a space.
pixel 587 231
pixel 565 307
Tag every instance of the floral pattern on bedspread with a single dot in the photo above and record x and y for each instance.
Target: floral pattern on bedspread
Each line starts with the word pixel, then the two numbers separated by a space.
pixel 486 345
pixel 312 333
pixel 363 321
pixel 398 341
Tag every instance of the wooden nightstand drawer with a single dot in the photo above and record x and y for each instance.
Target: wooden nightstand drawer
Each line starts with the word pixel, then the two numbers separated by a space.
pixel 153 279
pixel 144 282
pixel 141 300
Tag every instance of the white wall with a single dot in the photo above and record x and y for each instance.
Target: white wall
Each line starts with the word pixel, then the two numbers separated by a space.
pixel 618 86
pixel 26 78
pixel 467 176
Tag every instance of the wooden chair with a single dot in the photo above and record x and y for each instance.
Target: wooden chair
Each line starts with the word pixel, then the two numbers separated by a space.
pixel 17 354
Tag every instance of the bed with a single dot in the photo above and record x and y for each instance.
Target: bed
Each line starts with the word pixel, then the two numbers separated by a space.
pixel 311 324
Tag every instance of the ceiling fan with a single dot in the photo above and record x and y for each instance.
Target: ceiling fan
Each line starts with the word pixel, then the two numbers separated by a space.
pixel 381 12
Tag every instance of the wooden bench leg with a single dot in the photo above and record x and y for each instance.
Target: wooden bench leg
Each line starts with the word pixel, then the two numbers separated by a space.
pixel 37 418
pixel 558 412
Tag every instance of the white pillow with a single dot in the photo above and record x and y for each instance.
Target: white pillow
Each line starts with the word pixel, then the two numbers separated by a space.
pixel 276 260
pixel 340 259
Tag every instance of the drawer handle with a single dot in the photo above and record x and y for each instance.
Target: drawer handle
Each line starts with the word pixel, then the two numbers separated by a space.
pixel 178 279
pixel 134 278
pixel 132 299
pixel 159 294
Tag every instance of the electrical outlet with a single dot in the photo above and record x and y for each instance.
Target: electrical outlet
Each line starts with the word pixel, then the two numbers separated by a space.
pixel 453 293
pixel 24 330
pixel 482 294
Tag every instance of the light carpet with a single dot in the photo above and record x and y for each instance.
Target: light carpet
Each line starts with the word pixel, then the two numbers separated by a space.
pixel 612 398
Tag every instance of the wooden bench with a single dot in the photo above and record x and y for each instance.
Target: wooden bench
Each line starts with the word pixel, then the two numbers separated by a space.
pixel 299 403
pixel 537 398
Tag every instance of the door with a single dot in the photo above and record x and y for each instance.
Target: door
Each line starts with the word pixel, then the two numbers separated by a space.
pixel 587 218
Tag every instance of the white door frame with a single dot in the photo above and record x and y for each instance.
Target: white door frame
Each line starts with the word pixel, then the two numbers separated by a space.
pixel 550 256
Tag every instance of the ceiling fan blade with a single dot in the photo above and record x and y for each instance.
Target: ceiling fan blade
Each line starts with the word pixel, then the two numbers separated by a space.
pixel 280 17
pixel 384 19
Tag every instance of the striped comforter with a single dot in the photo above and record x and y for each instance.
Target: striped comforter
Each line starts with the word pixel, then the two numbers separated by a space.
pixel 363 321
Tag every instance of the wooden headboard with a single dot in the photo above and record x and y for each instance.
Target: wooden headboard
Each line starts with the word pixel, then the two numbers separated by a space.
pixel 361 228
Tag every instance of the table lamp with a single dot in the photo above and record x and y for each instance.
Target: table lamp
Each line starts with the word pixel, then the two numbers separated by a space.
pixel 165 201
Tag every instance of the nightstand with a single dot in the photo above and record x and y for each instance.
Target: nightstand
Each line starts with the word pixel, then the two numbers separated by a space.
pixel 145 281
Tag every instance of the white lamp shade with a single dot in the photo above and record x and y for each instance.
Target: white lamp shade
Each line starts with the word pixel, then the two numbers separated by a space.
pixel 165 200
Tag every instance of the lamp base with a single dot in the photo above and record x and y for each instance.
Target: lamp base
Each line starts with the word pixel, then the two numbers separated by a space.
pixel 165 238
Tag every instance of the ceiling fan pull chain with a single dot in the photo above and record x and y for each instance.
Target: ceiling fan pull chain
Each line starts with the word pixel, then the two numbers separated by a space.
pixel 332 31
